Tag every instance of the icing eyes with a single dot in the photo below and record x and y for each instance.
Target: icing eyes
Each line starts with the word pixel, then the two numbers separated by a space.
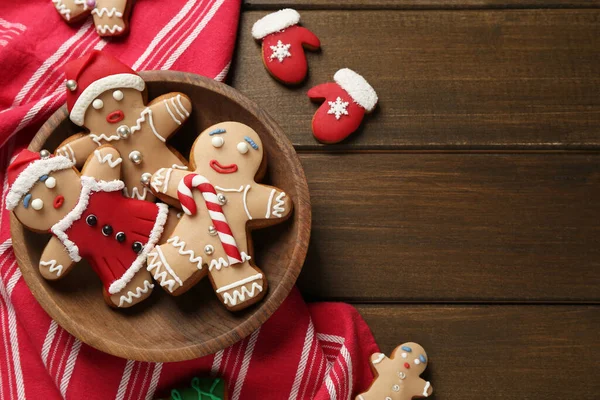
pixel 98 104
pixel 37 204
pixel 50 183
pixel 417 361
pixel 118 95
pixel 243 147
pixel 404 355
pixel 217 141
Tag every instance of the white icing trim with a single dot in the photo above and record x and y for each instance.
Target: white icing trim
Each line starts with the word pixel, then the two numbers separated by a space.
pixel 109 12
pixel 96 88
pixel 62 9
pixel 158 180
pixel 107 28
pixel 166 103
pixel 31 175
pixel 108 158
pixel 135 193
pixel 88 185
pixel 187 113
pixel 240 283
pixel 82 3
pixel 230 190
pixel 270 202
pixel 379 358
pixel 128 298
pixel 245 203
pixel 161 277
pixel 53 266
pixel 275 22
pixel 427 385
pixel 220 262
pixel 278 207
pixel 240 295
pixel 155 233
pixel 177 109
pixel 180 244
pixel 357 87
pixel 102 136
pixel 67 151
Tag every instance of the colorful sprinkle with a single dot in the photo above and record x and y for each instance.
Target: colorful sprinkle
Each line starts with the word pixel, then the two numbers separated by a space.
pixel 43 178
pixel 217 131
pixel 407 365
pixel 254 145
pixel 422 358
pixel 27 200
pixel 406 348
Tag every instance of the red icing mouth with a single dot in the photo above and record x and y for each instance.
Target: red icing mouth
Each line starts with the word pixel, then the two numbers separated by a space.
pixel 223 169
pixel 115 116
pixel 58 201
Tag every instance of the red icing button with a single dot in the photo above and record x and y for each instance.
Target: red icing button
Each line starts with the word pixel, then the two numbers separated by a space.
pixel 407 365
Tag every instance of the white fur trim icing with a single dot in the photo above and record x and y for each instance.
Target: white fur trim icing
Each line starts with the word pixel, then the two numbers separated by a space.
pixel 140 261
pixel 357 87
pixel 31 175
pixel 275 22
pixel 117 81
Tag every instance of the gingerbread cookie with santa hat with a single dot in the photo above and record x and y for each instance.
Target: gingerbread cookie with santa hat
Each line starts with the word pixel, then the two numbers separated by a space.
pixel 108 99
pixel 283 44
pixel 89 218
pixel 111 17
pixel 222 202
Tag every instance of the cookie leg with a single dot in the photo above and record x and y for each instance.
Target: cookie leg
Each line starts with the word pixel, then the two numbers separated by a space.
pixel 136 291
pixel 111 17
pixel 238 286
pixel 72 10
pixel 175 267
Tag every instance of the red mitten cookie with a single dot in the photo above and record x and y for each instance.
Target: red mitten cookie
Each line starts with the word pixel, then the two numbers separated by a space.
pixel 283 44
pixel 346 102
pixel 89 218
pixel 397 378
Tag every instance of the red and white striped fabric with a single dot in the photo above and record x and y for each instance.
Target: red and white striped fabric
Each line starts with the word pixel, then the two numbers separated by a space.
pixel 186 198
pixel 323 357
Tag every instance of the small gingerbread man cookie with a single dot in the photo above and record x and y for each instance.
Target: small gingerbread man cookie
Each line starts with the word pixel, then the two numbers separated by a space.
pixel 398 378
pixel 111 17
pixel 107 97
pixel 222 201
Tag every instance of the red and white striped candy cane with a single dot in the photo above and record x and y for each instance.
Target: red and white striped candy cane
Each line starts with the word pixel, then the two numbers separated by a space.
pixel 184 193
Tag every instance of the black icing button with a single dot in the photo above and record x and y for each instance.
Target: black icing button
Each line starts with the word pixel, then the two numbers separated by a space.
pixel 120 237
pixel 107 230
pixel 137 247
pixel 91 220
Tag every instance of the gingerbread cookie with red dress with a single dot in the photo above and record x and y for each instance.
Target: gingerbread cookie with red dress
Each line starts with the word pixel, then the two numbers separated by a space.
pixel 222 202
pixel 111 17
pixel 108 98
pixel 89 218
pixel 398 378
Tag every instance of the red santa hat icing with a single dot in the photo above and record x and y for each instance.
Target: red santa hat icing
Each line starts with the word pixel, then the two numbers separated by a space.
pixel 275 22
pixel 357 87
pixel 90 76
pixel 26 170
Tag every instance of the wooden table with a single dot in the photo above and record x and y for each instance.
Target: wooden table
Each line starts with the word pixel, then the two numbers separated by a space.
pixel 465 214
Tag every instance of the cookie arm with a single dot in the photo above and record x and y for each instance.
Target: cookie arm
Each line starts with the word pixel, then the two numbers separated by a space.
pixel 77 148
pixel 266 202
pixel 55 261
pixel 169 112
pixel 104 164
pixel 165 182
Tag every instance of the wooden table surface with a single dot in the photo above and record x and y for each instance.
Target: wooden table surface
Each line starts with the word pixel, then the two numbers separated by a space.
pixel 465 213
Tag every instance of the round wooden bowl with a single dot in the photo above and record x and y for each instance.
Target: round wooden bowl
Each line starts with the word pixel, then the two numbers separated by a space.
pixel 165 328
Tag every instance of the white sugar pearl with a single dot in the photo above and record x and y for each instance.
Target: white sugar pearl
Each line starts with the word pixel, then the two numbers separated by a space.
pixel 404 355
pixel 37 204
pixel 417 361
pixel 118 95
pixel 243 147
pixel 97 104
pixel 217 141
pixel 50 182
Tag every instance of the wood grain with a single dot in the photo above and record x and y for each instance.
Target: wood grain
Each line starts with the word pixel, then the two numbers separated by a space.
pixel 498 352
pixel 415 4
pixel 432 227
pixel 195 324
pixel 516 79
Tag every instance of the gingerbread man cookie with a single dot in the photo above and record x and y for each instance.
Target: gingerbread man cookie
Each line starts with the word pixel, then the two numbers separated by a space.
pixel 222 201
pixel 398 378
pixel 89 218
pixel 107 97
pixel 111 17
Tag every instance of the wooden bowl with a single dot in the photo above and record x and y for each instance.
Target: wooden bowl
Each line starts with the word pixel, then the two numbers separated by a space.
pixel 165 328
